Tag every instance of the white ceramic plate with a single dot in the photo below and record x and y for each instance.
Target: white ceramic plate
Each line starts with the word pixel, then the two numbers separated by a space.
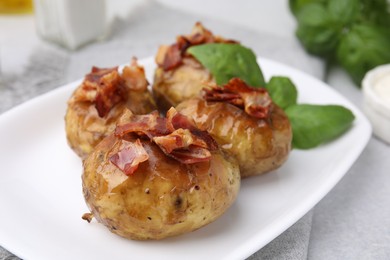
pixel 41 200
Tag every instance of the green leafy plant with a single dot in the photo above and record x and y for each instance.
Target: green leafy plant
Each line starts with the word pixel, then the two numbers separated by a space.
pixel 363 48
pixel 353 33
pixel 317 31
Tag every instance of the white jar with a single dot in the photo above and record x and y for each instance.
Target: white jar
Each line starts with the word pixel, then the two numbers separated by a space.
pixel 70 23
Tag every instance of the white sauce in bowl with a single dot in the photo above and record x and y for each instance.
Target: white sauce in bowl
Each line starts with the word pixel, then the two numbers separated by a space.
pixel 382 88
pixel 376 101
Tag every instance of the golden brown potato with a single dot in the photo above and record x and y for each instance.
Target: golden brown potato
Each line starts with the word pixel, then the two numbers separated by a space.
pixel 184 82
pixel 259 144
pixel 100 100
pixel 162 197
pixel 179 76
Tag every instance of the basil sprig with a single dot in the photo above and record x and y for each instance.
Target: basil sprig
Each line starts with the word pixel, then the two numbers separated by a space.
pixel 226 61
pixel 312 124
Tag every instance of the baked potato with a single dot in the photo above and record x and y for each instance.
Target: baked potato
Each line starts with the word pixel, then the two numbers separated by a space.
pixel 245 123
pixel 100 100
pixel 178 75
pixel 155 178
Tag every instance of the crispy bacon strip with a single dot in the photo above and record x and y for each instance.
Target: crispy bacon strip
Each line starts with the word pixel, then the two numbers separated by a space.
pixel 88 89
pixel 150 125
pixel 177 121
pixel 169 57
pixel 255 101
pixel 105 87
pixel 173 54
pixel 134 76
pixel 110 92
pixel 97 74
pixel 129 158
pixel 176 136
pixel 183 146
pixel 192 155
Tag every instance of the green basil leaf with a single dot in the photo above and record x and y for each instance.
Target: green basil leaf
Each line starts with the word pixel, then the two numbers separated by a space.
pixel 317 31
pixel 313 15
pixel 316 124
pixel 282 91
pixel 364 47
pixel 226 61
pixel 344 11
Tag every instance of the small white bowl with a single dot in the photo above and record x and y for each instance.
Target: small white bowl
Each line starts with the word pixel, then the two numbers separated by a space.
pixel 376 100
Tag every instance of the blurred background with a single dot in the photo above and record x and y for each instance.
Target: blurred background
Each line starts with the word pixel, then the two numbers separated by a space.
pixel 18 24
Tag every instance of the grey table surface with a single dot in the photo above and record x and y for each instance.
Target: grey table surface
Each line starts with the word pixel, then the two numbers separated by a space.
pixel 351 222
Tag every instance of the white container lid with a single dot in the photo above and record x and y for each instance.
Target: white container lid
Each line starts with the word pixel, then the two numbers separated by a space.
pixel 376 100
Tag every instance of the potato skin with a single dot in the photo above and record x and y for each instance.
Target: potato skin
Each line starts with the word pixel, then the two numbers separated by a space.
pixel 181 83
pixel 85 128
pixel 259 145
pixel 163 197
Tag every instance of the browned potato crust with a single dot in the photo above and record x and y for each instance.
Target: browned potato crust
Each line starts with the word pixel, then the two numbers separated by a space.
pixel 174 86
pixel 163 197
pixel 259 145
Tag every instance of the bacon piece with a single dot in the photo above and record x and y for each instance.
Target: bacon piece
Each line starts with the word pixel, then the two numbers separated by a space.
pixel 200 35
pixel 134 76
pixel 129 158
pixel 169 57
pixel 183 146
pixel 110 92
pixel 126 116
pixel 97 73
pixel 255 101
pixel 177 121
pixel 176 136
pixel 139 124
pixel 150 125
pixel 172 58
pixel 220 94
pixel 173 54
pixel 89 87
pixel 104 87
pixel 192 155
pixel 180 138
